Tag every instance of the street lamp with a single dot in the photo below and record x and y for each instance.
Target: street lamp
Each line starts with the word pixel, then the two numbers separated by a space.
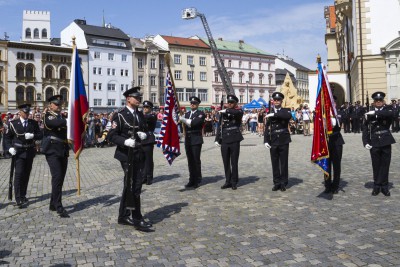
pixel 192 67
pixel 247 85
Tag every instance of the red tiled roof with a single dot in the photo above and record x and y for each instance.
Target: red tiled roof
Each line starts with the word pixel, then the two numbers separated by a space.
pixel 185 41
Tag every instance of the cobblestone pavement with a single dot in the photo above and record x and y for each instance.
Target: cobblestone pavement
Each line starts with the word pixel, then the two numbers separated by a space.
pixel 251 226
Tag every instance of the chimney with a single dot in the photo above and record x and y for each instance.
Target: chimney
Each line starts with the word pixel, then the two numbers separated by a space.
pixel 80 21
pixel 241 42
pixel 220 39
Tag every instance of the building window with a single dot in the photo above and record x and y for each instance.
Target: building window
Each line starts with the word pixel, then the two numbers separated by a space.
pixel 241 99
pixel 94 70
pixel 20 55
pixel 19 95
pixel 63 73
pixel 250 78
pixel 49 92
pixel 99 86
pixel 122 87
pixel 259 65
pixel 36 33
pixel 140 63
pixel 108 71
pixel 94 86
pixel 49 72
pixel 63 59
pixel 97 55
pixel 44 33
pixel 202 61
pixel 97 102
pixel 189 92
pixel 124 58
pixel 249 65
pixel 216 77
pixel 229 63
pixel 241 77
pixel 29 71
pixel 126 86
pixel 113 72
pixel 216 98
pixel 161 64
pixel 28 33
pixel 126 73
pixel 20 70
pixel 30 92
pixel 203 94
pixel 178 75
pixel 177 59
pixel 140 80
pixel 153 97
pixel 152 80
pixel 260 78
pixel 111 87
pixel 190 60
pixel 122 72
pixel 153 63
pixel 180 93
pixel 190 75
pixel 162 82
pixel 99 71
pixel 49 58
pixel 111 56
pixel 269 66
pixel 240 66
pixel 110 102
pixel 270 79
pixel 203 76
pixel 123 102
pixel 64 94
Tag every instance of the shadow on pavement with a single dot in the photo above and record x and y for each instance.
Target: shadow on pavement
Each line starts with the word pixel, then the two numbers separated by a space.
pixel 293 181
pixel 3 254
pixel 160 214
pixel 325 196
pixel 211 179
pixel 166 177
pixel 247 180
pixel 108 200
pixel 61 265
pixel 370 185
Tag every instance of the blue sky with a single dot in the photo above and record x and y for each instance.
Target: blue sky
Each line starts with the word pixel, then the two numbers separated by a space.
pixel 296 27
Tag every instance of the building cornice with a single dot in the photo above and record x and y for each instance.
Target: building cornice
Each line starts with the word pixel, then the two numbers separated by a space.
pixel 45 48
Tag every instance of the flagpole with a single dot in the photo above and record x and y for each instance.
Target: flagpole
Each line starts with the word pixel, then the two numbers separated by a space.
pixel 168 62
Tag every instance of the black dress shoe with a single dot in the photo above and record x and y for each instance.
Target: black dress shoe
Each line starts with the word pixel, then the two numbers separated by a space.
pixel 234 187
pixel 327 190
pixel 24 200
pixel 62 213
pixel 283 187
pixel 141 225
pixel 335 191
pixel 149 181
pixel 375 191
pixel 386 192
pixel 276 187
pixel 196 185
pixel 225 186
pixel 18 204
pixel 190 184
pixel 125 221
pixel 52 208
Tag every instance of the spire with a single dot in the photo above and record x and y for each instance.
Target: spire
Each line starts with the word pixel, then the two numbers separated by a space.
pixel 104 21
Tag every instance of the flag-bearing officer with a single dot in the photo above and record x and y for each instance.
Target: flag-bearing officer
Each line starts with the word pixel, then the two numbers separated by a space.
pixel 194 120
pixel 56 149
pixel 277 139
pixel 128 130
pixel 148 144
pixel 228 138
pixel 378 139
pixel 20 138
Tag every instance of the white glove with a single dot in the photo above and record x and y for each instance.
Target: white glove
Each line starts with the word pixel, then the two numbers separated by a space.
pixel 182 119
pixel 130 142
pixel 267 145
pixel 222 111
pixel 367 146
pixel 217 144
pixel 369 113
pixel 333 122
pixel 28 136
pixel 270 115
pixel 12 151
pixel 142 135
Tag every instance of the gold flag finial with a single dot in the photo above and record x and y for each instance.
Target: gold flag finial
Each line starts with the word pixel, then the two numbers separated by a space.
pixel 318 59
pixel 73 40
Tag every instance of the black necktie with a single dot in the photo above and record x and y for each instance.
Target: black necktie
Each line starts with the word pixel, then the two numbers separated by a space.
pixel 25 124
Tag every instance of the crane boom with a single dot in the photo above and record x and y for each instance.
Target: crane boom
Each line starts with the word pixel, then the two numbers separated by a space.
pixel 191 13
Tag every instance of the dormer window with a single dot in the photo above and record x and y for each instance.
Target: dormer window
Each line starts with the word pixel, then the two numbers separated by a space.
pixel 44 33
pixel 36 33
pixel 28 33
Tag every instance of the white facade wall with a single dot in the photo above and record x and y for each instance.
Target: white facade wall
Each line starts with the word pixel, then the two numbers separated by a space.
pixel 36 20
pixel 70 31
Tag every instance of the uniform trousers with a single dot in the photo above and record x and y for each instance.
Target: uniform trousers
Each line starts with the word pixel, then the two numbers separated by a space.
pixel 23 167
pixel 148 168
pixel 346 125
pixel 193 153
pixel 280 166
pixel 335 156
pixel 230 157
pixel 355 125
pixel 58 168
pixel 381 157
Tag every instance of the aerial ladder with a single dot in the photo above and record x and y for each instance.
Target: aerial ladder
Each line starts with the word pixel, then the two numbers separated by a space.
pixel 191 13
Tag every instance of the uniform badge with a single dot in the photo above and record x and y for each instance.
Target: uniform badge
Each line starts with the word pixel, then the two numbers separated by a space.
pixel 114 125
pixel 51 117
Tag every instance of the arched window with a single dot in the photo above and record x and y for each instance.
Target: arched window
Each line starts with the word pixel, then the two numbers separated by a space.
pixel 20 95
pixel 20 70
pixel 251 75
pixel 36 33
pixel 49 92
pixel 28 33
pixel 241 75
pixel 260 78
pixel 64 94
pixel 44 33
pixel 30 92
pixel 49 72
pixel 29 71
pixel 63 73
pixel 270 79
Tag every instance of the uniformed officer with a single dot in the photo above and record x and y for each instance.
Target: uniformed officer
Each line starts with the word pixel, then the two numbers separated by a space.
pixel 194 120
pixel 378 140
pixel 396 112
pixel 228 138
pixel 20 138
pixel 345 112
pixel 277 139
pixel 356 114
pixel 335 146
pixel 148 144
pixel 128 130
pixel 56 149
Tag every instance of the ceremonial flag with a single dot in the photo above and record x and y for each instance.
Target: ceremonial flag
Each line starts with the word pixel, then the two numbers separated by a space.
pixel 78 106
pixel 324 110
pixel 169 135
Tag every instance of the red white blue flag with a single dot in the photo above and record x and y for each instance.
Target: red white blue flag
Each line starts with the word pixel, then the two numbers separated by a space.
pixel 78 106
pixel 169 135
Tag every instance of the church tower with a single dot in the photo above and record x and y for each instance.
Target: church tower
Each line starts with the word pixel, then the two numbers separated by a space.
pixel 36 26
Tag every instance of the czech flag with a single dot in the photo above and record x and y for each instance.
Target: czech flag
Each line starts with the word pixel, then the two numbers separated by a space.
pixel 78 106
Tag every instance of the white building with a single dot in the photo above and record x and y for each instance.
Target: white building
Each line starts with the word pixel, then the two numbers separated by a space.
pixel 110 62
pixel 36 26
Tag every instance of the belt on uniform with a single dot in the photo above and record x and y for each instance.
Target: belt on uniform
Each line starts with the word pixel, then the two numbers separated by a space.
pixel 194 131
pixel 58 139
pixel 231 128
pixel 280 130
pixel 381 132
pixel 23 146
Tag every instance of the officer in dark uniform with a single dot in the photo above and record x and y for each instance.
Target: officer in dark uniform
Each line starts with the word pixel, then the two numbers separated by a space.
pixel 378 140
pixel 228 138
pixel 20 138
pixel 194 120
pixel 277 139
pixel 335 146
pixel 56 149
pixel 396 112
pixel 356 115
pixel 148 143
pixel 128 130
pixel 345 112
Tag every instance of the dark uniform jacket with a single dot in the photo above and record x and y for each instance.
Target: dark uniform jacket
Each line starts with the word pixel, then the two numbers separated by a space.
pixel 336 137
pixel 376 131
pixel 276 128
pixel 194 135
pixel 345 113
pixel 150 120
pixel 15 137
pixel 231 122
pixel 121 129
pixel 55 135
pixel 356 112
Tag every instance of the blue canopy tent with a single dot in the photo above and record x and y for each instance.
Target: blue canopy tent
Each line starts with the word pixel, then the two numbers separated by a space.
pixel 261 101
pixel 252 105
